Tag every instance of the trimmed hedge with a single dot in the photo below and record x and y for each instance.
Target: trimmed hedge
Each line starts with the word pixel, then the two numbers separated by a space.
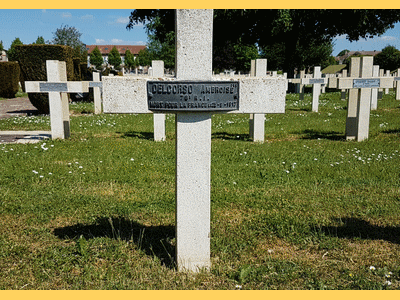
pixel 32 62
pixel 9 79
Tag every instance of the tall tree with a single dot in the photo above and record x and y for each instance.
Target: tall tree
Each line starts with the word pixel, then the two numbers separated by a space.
pixel 388 59
pixel 1 46
pixel 343 52
pixel 114 58
pixel 129 61
pixel 96 58
pixel 40 41
pixel 296 31
pixel 70 36
pixel 11 52
pixel 144 58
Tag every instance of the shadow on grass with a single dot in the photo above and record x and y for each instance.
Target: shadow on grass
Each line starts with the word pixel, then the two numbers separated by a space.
pixel 153 240
pixel 392 131
pixel 299 109
pixel 314 135
pixel 139 135
pixel 358 228
pixel 28 112
pixel 230 136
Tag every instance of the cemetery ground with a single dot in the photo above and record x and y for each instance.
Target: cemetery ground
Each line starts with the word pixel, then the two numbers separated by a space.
pixel 304 210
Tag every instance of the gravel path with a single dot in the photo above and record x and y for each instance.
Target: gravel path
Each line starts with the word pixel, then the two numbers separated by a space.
pixel 19 107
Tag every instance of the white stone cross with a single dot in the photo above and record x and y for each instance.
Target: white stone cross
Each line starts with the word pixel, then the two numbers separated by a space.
pixel 388 75
pixel 374 92
pixel 299 86
pixel 380 91
pixel 96 85
pixel 158 118
pixel 361 82
pixel 57 86
pixel 343 92
pixel 194 34
pixel 397 79
pixel 257 121
pixel 316 82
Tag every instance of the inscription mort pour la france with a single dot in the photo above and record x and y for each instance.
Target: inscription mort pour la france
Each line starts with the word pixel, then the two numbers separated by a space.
pixel 193 96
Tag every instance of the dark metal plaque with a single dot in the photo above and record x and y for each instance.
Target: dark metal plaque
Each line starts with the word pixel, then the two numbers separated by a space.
pixel 53 87
pixel 193 95
pixel 397 79
pixel 366 83
pixel 316 80
pixel 93 84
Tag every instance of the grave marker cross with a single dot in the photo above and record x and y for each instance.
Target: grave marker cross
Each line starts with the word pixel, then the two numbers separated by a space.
pixel 193 128
pixel 57 86
pixel 357 124
pixel 316 83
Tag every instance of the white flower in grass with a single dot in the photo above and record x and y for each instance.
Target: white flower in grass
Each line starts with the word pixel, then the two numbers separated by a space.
pixel 372 268
pixel 132 159
pixel 239 287
pixel 36 172
pixel 387 282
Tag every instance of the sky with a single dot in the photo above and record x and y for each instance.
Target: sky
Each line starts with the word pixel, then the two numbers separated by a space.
pixel 99 26
pixel 108 27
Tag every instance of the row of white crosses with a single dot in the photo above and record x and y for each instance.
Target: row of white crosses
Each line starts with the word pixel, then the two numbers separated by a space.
pixel 257 95
pixel 58 87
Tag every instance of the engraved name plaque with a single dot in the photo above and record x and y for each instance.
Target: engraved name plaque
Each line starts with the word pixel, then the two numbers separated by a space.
pixel 94 84
pixel 193 95
pixel 366 83
pixel 397 79
pixel 53 87
pixel 317 80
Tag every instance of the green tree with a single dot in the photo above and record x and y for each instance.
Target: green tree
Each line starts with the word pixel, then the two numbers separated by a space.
pixel 114 58
pixel 1 46
pixel 96 58
pixel 243 56
pixel 129 59
pixel 40 41
pixel 70 36
pixel 297 31
pixel 11 52
pixel 343 52
pixel 161 49
pixel 144 58
pixel 388 59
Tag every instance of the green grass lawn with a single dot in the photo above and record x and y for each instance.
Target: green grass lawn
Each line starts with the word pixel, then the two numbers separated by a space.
pixel 304 210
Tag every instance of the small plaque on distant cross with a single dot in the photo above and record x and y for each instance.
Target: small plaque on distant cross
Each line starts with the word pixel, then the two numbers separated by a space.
pixel 193 95
pixel 366 83
pixel 317 80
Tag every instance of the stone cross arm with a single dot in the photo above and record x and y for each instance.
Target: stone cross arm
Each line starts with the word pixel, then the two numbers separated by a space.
pixel 256 95
pixel 294 80
pixel 367 82
pixel 61 87
pixel 314 80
